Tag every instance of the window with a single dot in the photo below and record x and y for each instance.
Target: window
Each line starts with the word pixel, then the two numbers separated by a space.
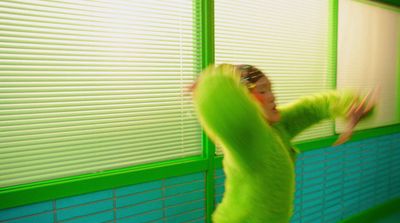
pixel 88 86
pixel 368 55
pixel 289 40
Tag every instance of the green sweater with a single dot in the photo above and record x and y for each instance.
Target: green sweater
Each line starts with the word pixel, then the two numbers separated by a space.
pixel 258 157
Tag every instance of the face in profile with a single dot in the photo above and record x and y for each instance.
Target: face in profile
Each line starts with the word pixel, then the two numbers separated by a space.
pixel 262 91
pixel 260 87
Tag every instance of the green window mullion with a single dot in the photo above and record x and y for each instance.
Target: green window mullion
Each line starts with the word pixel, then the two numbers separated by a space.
pixel 207 58
pixel 333 41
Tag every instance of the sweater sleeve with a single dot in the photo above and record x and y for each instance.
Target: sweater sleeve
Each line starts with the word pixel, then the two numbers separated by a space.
pixel 303 113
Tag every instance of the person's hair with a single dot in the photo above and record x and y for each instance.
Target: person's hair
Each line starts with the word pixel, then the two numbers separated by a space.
pixel 249 75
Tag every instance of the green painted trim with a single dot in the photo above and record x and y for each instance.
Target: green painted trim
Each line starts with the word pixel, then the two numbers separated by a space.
pixel 376 213
pixel 207 32
pixel 333 46
pixel 70 186
pixel 333 40
pixel 208 57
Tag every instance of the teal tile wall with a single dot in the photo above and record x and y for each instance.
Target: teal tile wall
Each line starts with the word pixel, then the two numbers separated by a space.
pixel 336 182
pixel 331 184
pixel 178 199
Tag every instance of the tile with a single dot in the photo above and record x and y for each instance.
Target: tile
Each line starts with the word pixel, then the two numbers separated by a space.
pixel 147 217
pixel 312 196
pixel 139 198
pixel 184 188
pixel 313 184
pixel 350 212
pixel 312 153
pixel 333 205
pixel 350 201
pixel 186 207
pixel 299 169
pixel 334 182
pixel 99 217
pixel 137 188
pixel 312 175
pixel 138 209
pixel 39 218
pixel 200 220
pixel 331 218
pixel 218 199
pixel 219 180
pixel 315 167
pixel 183 198
pixel 83 210
pixel 312 207
pixel 184 179
pixel 220 190
pixel 219 173
pixel 314 218
pixel 185 217
pixel 314 159
pixel 334 165
pixel 25 210
pixel 82 199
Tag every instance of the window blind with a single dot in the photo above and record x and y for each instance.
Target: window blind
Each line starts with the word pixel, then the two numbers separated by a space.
pixel 288 40
pixel 368 57
pixel 88 86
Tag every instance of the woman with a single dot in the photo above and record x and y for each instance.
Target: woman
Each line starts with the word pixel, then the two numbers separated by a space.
pixel 236 107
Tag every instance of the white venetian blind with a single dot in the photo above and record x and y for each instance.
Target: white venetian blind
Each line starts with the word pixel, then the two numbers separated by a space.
pixel 289 40
pixel 87 86
pixel 369 57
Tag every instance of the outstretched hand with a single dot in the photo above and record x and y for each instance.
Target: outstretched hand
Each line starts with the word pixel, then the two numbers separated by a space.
pixel 356 112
